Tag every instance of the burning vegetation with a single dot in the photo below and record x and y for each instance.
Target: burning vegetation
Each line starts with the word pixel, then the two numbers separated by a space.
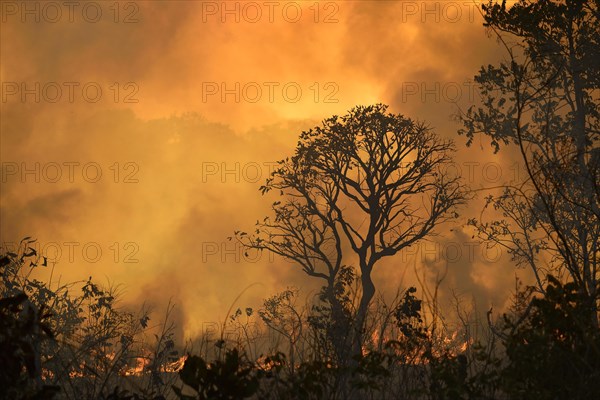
pixel 369 184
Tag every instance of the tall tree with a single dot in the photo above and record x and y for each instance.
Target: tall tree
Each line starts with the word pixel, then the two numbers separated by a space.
pixel 543 99
pixel 359 188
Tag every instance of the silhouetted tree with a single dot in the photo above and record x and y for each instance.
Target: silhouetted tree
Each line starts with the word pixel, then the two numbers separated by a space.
pixel 359 188
pixel 544 100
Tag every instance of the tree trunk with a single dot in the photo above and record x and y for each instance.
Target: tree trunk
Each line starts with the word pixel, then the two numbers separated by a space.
pixel 368 292
pixel 339 328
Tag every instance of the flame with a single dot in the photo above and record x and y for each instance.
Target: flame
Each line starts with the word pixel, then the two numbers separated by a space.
pixel 140 366
pixel 176 366
pixel 143 362
pixel 444 345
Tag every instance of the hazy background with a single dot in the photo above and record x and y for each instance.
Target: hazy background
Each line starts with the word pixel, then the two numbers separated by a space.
pixel 141 183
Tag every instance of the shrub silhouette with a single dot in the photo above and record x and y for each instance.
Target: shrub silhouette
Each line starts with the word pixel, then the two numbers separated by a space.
pixel 22 328
pixel 234 377
pixel 553 348
pixel 79 346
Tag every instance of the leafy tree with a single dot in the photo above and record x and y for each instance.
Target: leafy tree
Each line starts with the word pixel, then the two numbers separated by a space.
pixel 359 188
pixel 543 101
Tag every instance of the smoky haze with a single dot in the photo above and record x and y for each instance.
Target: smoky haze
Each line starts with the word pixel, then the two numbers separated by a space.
pixel 144 182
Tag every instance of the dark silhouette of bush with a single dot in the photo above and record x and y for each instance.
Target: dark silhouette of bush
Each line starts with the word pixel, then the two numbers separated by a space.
pixel 54 341
pixel 23 327
pixel 553 347
pixel 234 377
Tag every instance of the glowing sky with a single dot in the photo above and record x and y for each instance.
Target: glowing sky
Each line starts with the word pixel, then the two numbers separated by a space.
pixel 144 129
